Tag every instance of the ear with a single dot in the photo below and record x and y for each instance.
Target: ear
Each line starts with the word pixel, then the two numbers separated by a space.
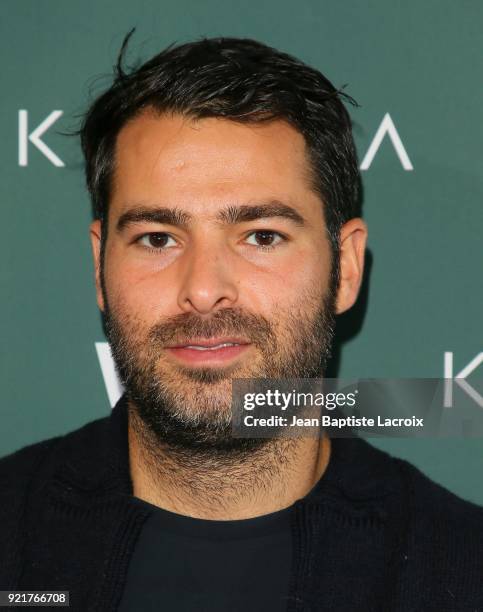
pixel 353 238
pixel 95 236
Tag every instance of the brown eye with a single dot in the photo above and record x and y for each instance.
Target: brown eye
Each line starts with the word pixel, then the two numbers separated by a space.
pixel 264 238
pixel 156 240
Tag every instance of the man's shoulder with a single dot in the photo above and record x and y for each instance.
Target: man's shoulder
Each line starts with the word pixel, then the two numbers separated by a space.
pixel 434 502
pixel 442 541
pixel 436 537
pixel 441 533
pixel 372 473
pixel 426 513
pixel 19 469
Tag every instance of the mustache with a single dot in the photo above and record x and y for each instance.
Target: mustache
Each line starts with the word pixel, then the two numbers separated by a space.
pixel 226 322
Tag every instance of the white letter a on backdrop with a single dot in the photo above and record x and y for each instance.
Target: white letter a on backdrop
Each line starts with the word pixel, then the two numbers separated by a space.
pixel 387 127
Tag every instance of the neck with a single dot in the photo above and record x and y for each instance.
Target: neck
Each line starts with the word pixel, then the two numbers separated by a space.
pixel 219 487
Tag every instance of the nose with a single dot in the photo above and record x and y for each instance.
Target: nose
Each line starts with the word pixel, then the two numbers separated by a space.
pixel 207 280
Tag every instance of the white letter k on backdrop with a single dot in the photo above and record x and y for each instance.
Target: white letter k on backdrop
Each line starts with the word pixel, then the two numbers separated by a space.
pixel 34 137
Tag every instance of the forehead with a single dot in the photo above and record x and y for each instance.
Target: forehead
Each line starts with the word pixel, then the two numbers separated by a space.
pixel 203 164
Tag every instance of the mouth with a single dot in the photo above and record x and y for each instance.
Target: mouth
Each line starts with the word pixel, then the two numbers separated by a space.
pixel 209 350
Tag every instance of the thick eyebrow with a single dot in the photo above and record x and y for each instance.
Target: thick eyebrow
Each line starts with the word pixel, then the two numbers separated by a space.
pixel 240 214
pixel 168 216
pixel 230 215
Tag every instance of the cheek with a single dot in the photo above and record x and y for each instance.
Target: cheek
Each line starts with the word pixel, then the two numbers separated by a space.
pixel 140 295
pixel 299 279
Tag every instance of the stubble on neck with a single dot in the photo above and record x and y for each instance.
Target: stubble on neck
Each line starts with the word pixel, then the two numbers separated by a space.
pixel 227 485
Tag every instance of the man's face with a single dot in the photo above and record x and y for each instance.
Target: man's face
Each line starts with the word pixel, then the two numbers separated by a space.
pixel 217 266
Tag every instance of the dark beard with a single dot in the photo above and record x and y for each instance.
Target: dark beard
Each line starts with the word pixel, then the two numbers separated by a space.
pixel 155 409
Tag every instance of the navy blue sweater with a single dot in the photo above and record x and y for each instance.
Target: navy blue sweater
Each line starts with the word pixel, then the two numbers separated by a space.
pixel 374 534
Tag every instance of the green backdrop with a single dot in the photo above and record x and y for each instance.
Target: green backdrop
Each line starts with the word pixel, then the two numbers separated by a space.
pixel 414 64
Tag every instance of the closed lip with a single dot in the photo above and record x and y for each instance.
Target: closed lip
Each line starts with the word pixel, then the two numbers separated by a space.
pixel 208 342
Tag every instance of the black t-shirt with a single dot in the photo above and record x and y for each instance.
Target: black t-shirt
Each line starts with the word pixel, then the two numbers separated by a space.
pixel 181 564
